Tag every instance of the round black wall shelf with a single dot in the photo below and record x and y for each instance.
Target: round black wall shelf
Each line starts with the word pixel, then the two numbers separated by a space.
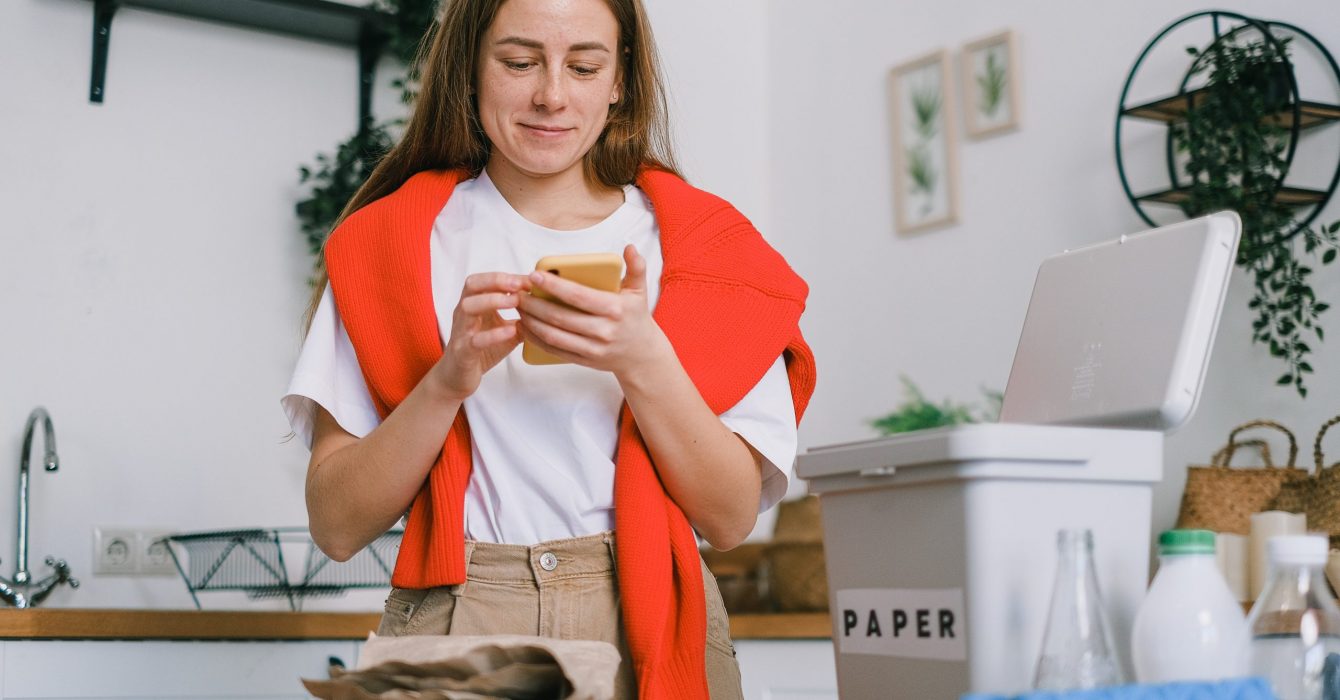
pixel 1297 115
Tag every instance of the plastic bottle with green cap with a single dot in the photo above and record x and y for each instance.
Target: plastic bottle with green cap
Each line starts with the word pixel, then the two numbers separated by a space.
pixel 1189 627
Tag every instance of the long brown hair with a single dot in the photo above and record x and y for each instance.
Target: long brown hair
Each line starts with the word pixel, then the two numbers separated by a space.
pixel 443 130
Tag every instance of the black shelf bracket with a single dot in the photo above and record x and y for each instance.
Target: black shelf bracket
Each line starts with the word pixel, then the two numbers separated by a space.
pixel 371 41
pixel 323 20
pixel 103 11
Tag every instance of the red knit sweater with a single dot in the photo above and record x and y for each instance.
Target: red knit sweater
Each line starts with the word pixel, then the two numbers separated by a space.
pixel 729 305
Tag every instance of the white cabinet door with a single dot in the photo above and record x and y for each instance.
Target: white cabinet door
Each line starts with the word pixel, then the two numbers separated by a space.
pixel 36 670
pixel 787 669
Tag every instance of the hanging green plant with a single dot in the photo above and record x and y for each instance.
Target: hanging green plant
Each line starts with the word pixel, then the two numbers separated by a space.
pixel 1235 145
pixel 334 178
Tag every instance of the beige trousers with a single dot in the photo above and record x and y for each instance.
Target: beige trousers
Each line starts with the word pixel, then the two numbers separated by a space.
pixel 564 589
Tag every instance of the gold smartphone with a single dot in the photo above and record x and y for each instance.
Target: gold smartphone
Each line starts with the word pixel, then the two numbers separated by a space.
pixel 603 271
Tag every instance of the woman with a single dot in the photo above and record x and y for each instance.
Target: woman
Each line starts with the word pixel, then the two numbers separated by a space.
pixel 566 503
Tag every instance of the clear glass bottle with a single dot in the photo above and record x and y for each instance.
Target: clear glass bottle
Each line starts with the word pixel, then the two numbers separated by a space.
pixel 1295 624
pixel 1189 627
pixel 1077 649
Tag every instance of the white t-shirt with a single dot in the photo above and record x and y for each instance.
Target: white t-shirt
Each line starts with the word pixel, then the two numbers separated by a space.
pixel 542 437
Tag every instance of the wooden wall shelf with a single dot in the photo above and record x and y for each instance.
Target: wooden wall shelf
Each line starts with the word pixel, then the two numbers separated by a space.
pixel 1292 196
pixel 1174 109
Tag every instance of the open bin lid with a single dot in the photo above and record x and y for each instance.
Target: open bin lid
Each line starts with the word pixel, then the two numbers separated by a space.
pixel 983 451
pixel 1119 334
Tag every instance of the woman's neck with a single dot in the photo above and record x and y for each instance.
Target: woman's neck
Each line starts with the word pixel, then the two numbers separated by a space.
pixel 564 201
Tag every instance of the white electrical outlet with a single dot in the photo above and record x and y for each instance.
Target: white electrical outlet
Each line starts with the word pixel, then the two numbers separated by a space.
pixel 115 551
pixel 155 559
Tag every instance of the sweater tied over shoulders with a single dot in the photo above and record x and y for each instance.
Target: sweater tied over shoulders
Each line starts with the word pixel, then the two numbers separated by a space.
pixel 729 304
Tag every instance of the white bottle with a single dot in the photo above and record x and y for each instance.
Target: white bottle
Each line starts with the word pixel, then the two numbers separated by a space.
pixel 1189 627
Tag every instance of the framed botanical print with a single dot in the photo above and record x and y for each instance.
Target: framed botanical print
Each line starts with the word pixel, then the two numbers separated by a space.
pixel 991 85
pixel 925 175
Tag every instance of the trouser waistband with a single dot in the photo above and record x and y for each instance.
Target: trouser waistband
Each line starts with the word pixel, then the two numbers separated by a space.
pixel 588 556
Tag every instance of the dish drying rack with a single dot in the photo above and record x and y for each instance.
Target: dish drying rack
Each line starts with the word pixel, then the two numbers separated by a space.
pixel 252 561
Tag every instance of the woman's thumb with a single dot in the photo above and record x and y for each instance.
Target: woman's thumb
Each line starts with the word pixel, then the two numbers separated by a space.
pixel 635 275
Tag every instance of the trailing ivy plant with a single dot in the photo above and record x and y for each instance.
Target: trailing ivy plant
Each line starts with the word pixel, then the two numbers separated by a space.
pixel 1235 148
pixel 334 179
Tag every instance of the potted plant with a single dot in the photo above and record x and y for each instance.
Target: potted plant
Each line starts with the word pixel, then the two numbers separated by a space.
pixel 916 413
pixel 1235 143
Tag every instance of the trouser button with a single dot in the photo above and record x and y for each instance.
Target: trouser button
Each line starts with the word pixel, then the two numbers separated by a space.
pixel 548 561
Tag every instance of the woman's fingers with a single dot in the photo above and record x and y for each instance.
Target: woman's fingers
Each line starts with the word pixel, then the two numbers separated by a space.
pixel 505 282
pixel 486 302
pixel 507 332
pixel 565 344
pixel 560 316
pixel 635 279
pixel 578 296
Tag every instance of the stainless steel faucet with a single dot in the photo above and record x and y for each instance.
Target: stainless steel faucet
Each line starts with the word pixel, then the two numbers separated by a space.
pixel 22 592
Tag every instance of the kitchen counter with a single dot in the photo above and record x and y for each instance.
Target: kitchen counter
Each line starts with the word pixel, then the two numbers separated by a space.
pixel 65 623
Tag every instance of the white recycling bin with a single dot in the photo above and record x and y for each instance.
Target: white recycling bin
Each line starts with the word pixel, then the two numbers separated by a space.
pixel 941 548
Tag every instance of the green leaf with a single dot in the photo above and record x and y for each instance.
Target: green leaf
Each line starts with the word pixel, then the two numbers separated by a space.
pixel 1284 380
pixel 1320 307
pixel 1328 257
pixel 916 413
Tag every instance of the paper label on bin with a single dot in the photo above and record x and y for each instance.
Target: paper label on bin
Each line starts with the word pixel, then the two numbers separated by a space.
pixel 914 623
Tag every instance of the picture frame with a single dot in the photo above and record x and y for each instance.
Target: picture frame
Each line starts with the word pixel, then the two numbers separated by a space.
pixel 925 168
pixel 990 85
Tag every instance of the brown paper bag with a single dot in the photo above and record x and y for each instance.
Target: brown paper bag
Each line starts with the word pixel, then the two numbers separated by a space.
pixel 1222 498
pixel 498 667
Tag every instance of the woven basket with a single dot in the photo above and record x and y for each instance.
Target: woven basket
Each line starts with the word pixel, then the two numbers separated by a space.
pixel 1222 498
pixel 1295 495
pixel 797 577
pixel 1323 503
pixel 798 521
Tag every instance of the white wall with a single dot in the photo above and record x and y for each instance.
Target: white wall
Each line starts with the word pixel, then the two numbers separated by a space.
pixel 945 307
pixel 152 273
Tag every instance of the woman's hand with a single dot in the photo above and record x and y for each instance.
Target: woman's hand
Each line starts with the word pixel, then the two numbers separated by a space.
pixel 480 338
pixel 611 331
pixel 709 471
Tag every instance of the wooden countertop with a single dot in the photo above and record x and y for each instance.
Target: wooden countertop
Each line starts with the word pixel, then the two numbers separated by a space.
pixel 61 623
pixel 64 623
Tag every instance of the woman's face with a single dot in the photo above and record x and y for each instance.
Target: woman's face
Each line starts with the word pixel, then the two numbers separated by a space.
pixel 548 73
